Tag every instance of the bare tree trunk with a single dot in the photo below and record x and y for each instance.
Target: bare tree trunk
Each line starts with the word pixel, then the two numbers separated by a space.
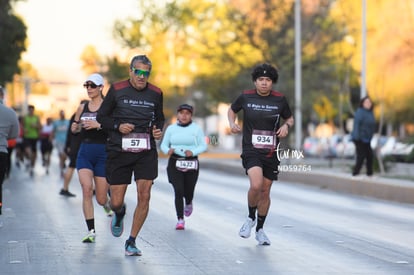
pixel 348 90
pixel 378 147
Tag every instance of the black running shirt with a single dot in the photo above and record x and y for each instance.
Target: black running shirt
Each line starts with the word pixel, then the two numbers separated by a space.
pixel 125 104
pixel 94 136
pixel 261 115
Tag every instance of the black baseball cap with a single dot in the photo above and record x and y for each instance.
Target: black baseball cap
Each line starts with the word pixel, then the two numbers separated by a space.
pixel 185 107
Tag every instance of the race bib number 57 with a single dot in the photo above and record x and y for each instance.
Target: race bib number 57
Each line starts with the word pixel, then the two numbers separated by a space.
pixel 136 142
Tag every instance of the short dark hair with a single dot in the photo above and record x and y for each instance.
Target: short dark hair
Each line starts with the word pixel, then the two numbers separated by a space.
pixel 142 59
pixel 362 100
pixel 265 70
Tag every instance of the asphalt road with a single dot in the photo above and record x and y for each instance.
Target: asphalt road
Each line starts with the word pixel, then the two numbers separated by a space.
pixel 313 231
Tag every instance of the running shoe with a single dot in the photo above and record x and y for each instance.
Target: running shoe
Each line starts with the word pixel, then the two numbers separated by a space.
pixel 246 228
pixel 108 209
pixel 180 225
pixel 117 224
pixel 90 238
pixel 188 209
pixel 262 238
pixel 131 249
pixel 66 193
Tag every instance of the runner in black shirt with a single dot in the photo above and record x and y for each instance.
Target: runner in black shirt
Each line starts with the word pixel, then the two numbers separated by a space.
pixel 262 110
pixel 132 113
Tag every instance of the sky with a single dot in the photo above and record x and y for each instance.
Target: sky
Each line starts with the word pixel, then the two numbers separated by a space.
pixel 59 30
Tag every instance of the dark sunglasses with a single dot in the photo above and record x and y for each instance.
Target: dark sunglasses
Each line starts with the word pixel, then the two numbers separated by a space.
pixel 90 85
pixel 139 72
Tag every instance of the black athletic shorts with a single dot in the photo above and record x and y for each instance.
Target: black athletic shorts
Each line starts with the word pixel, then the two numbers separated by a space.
pixel 30 142
pixel 72 160
pixel 269 164
pixel 121 165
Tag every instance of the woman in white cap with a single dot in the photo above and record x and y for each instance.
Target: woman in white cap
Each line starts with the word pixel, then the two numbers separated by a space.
pixel 91 158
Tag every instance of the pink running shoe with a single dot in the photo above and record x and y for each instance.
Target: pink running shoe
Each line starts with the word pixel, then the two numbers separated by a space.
pixel 188 209
pixel 180 225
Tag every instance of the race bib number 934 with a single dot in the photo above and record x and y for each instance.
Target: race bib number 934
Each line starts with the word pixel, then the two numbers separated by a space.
pixel 263 139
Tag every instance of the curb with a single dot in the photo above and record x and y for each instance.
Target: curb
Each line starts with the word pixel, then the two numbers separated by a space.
pixel 381 188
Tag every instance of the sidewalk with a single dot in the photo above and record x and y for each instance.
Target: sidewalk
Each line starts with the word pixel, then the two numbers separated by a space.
pixel 333 174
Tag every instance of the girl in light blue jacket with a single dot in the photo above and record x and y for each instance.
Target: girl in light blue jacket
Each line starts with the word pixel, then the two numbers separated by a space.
pixel 183 142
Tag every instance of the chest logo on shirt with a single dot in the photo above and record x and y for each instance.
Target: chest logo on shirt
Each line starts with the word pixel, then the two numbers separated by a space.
pixel 262 107
pixel 138 103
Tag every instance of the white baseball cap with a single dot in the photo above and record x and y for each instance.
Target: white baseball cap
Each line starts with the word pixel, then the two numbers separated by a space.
pixel 95 78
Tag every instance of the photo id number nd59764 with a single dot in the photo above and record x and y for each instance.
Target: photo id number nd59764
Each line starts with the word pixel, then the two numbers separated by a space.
pixel 295 168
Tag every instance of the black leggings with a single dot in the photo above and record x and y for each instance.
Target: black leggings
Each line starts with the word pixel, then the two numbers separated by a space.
pixel 363 151
pixel 9 165
pixel 3 165
pixel 184 185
